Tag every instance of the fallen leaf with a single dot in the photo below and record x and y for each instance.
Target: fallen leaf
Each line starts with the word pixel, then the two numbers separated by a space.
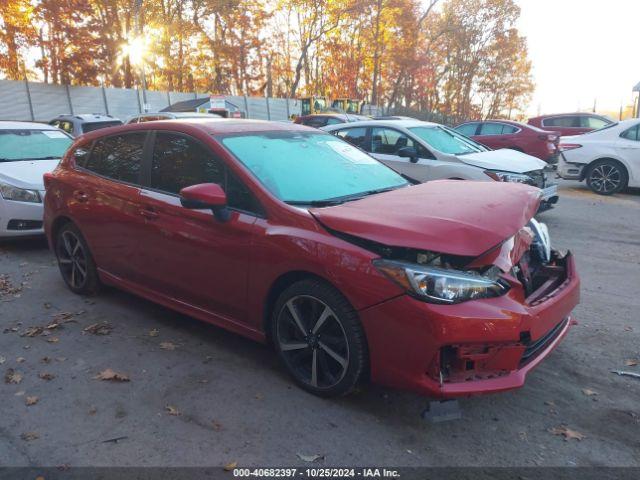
pixel 12 376
pixel 46 376
pixel 31 401
pixel 310 458
pixel 110 375
pixel 92 411
pixel 45 360
pixel 32 332
pixel 29 436
pixel 154 333
pixel 567 433
pixel 172 410
pixel 101 328
pixel 20 359
pixel 47 305
pixel 20 393
pixel 230 466
pixel 259 396
pixel 168 346
pixel 217 426
pixel 628 328
pixel 588 392
pixel 632 362
pixel 2 360
pixel 53 340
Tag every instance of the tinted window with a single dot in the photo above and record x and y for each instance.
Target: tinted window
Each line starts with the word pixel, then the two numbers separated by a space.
pixel 180 162
pixel 468 129
pixel 562 122
pixel 91 126
pixel 356 136
pixel 118 157
pixel 239 196
pixel 631 134
pixel 315 122
pixel 494 128
pixel 593 122
pixel 388 141
pixel 333 121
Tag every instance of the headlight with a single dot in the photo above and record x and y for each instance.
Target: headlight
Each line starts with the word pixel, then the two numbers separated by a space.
pixel 10 192
pixel 509 177
pixel 439 285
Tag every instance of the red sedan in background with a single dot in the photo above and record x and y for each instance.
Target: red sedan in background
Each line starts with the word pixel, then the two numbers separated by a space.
pixel 287 234
pixel 566 124
pixel 528 139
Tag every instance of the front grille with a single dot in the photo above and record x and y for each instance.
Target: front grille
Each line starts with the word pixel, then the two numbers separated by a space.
pixel 538 178
pixel 534 348
pixel 24 225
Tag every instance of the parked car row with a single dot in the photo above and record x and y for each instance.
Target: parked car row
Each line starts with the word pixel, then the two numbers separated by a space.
pixel 294 236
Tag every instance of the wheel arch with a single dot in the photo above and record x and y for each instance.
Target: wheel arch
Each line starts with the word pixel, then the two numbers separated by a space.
pixel 57 224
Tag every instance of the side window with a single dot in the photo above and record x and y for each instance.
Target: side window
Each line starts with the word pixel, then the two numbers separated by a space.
pixel 180 162
pixel 490 128
pixel 334 121
pixel 239 196
pixel 118 157
pixel 571 121
pixel 468 129
pixel 388 141
pixel 66 126
pixel 632 134
pixel 592 122
pixel 356 136
pixel 315 122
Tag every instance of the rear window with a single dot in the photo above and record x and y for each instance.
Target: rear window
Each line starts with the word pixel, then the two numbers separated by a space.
pixel 568 121
pixel 91 126
pixel 118 157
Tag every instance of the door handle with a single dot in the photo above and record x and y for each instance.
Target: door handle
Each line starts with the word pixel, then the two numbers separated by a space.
pixel 80 196
pixel 149 213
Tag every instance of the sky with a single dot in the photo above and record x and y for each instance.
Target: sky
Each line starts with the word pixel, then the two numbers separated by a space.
pixel 582 50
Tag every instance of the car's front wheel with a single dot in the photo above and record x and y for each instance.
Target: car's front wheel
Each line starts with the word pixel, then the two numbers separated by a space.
pixel 606 177
pixel 75 261
pixel 319 338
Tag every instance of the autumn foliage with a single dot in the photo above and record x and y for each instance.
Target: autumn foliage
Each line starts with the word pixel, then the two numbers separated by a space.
pixel 462 57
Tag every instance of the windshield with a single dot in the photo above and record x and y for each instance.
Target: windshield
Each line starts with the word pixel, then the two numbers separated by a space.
pixel 446 140
pixel 303 168
pixel 32 144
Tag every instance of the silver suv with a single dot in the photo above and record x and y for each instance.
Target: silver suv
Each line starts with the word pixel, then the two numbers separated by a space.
pixel 76 125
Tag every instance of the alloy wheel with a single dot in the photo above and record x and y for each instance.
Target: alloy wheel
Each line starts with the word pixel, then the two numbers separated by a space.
pixel 72 259
pixel 605 178
pixel 313 342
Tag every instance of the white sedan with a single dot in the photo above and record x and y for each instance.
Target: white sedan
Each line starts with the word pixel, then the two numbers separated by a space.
pixel 27 152
pixel 608 158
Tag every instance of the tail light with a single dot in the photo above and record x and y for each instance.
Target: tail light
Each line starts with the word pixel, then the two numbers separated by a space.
pixel 549 138
pixel 563 147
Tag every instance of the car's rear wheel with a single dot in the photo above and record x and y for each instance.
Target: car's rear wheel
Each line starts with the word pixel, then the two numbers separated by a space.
pixel 606 177
pixel 75 261
pixel 319 338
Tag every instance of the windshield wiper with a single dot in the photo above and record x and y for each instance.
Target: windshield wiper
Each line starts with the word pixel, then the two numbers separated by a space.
pixel 345 198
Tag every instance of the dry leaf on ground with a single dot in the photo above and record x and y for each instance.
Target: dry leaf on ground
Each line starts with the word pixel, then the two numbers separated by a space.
pixel 632 362
pixel 567 433
pixel 53 340
pixel 29 436
pixel 100 328
pixel 217 426
pixel 45 359
pixel 230 466
pixel 12 376
pixel 46 376
pixel 310 458
pixel 31 401
pixel 20 359
pixel 32 332
pixel 168 346
pixel 111 375
pixel 172 410
pixel 154 333
pixel 2 360
pixel 588 392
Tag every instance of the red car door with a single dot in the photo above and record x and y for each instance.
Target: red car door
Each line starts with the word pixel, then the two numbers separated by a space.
pixel 189 255
pixel 105 202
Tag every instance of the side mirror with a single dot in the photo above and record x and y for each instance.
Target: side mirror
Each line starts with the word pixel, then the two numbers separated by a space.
pixel 409 152
pixel 206 195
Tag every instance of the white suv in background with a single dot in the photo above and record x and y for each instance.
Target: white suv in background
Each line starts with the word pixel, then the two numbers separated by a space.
pixel 426 151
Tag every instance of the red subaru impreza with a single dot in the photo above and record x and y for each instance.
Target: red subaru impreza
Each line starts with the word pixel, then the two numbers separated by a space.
pixel 286 234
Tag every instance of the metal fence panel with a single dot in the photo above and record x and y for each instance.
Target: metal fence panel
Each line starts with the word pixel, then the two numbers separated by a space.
pixel 49 101
pixel 14 104
pixel 87 100
pixel 123 102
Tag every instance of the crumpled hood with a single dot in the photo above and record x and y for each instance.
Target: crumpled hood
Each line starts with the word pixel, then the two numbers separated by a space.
pixel 447 216
pixel 27 173
pixel 503 159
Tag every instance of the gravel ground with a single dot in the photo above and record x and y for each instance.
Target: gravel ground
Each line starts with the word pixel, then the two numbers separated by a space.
pixel 200 396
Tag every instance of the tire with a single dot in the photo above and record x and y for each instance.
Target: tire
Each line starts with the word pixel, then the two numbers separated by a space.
pixel 606 177
pixel 326 337
pixel 76 264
